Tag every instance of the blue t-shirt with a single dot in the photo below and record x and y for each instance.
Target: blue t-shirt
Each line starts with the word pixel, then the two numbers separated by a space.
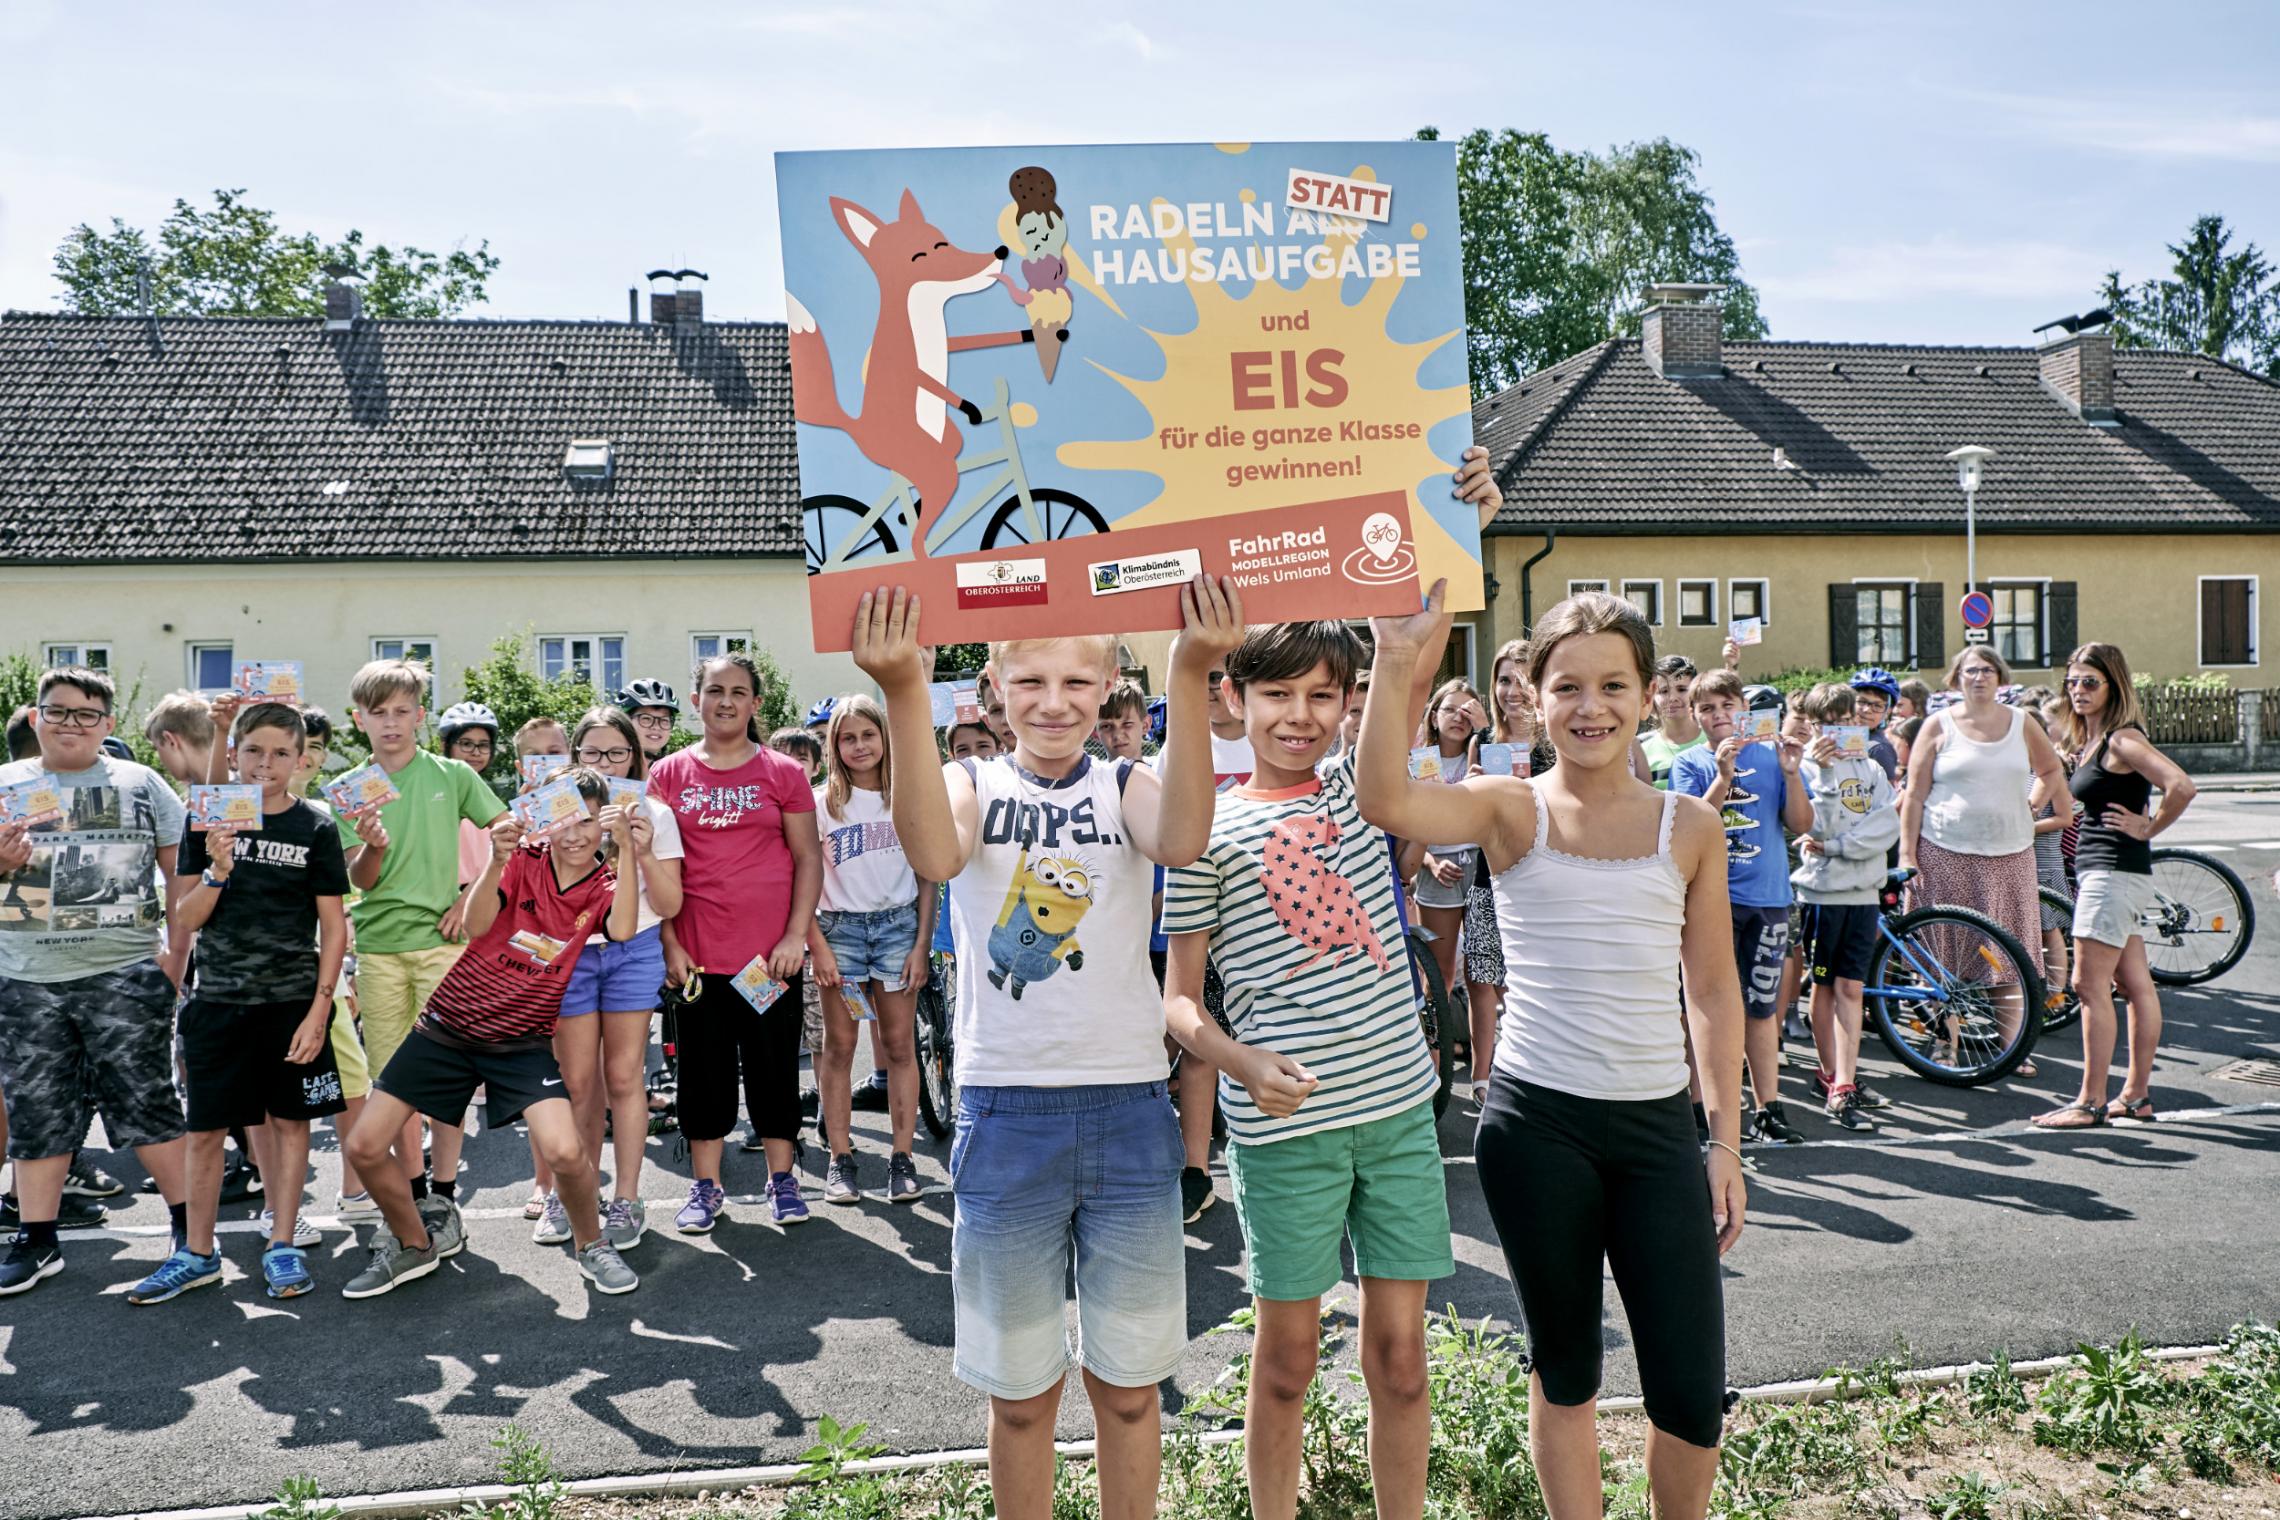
pixel 1757 859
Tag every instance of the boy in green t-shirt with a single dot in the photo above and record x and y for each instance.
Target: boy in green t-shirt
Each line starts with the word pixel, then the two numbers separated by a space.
pixel 404 858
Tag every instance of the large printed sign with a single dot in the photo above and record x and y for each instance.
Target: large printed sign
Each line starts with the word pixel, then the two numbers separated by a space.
pixel 1042 387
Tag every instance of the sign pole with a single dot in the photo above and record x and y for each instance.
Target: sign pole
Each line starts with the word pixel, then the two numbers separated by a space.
pixel 1970 543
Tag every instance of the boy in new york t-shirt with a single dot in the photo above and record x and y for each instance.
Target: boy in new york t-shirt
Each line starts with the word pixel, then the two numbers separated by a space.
pixel 491 1024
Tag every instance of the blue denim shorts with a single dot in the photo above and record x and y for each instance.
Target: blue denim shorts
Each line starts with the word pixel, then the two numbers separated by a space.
pixel 616 978
pixel 872 947
pixel 1039 1173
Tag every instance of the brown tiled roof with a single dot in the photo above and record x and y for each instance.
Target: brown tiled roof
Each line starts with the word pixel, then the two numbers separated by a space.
pixel 231 439
pixel 1600 443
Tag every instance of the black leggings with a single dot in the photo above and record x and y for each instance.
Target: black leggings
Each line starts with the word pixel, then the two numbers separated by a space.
pixel 1571 1180
pixel 719 1035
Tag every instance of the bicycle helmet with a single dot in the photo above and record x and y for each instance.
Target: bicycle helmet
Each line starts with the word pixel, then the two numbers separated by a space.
pixel 463 716
pixel 1876 678
pixel 117 748
pixel 821 712
pixel 1759 698
pixel 647 694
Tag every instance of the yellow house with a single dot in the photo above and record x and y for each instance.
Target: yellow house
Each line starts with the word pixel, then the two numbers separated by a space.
pixel 182 494
pixel 2132 496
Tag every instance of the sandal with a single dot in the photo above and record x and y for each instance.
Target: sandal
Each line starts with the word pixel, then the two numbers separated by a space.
pixel 2025 1071
pixel 2092 1117
pixel 2128 1111
pixel 535 1206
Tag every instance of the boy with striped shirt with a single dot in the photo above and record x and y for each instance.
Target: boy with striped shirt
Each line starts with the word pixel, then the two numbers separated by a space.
pixel 1328 1083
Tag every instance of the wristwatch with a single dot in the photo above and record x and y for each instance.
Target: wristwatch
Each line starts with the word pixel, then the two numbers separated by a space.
pixel 218 883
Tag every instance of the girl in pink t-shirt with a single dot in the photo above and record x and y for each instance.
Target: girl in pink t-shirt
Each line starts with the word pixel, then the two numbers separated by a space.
pixel 750 872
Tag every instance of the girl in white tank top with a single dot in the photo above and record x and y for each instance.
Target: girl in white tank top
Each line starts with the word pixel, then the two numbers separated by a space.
pixel 1587 1148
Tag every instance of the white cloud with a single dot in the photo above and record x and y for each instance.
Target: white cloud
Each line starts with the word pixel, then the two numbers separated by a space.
pixel 1944 266
pixel 2172 128
pixel 1126 35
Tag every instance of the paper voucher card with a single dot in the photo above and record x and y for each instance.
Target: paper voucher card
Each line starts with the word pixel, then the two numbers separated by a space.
pixel 1044 387
pixel 233 806
pixel 365 787
pixel 270 681
pixel 547 809
pixel 31 803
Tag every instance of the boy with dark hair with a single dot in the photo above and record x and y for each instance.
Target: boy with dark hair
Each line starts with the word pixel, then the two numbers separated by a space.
pixel 802 746
pixel 85 1003
pixel 404 858
pixel 256 1045
pixel 1840 869
pixel 490 1024
pixel 1329 1083
pixel 1754 784
pixel 1124 721
pixel 23 737
pixel 963 741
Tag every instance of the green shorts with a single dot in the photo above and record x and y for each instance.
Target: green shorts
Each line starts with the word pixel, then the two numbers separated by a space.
pixel 1379 1184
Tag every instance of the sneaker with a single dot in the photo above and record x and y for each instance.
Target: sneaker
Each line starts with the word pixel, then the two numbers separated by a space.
pixel 447 1232
pixel 178 1274
pixel 706 1204
pixel 752 1144
pixel 240 1181
pixel 553 1225
pixel 351 1207
pixel 87 1180
pixel 605 1269
pixel 392 1263
pixel 25 1264
pixel 72 1213
pixel 869 1098
pixel 286 1270
pixel 1774 1127
pixel 1870 1097
pixel 1195 1193
pixel 839 1184
pixel 304 1233
pixel 625 1223
pixel 1825 1083
pixel 811 1102
pixel 1844 1108
pixel 785 1205
pixel 902 1179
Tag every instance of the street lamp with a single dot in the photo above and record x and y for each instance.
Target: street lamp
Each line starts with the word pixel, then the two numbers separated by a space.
pixel 1968 460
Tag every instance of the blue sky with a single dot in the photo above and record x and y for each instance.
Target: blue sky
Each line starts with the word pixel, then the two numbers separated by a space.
pixel 1924 172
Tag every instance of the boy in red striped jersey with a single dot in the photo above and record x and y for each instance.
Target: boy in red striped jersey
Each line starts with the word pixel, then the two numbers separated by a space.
pixel 490 1023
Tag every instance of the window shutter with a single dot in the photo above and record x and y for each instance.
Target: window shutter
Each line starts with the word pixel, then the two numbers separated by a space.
pixel 1928 604
pixel 2058 620
pixel 1844 627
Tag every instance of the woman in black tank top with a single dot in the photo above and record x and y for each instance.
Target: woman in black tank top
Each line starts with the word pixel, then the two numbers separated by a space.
pixel 2117 770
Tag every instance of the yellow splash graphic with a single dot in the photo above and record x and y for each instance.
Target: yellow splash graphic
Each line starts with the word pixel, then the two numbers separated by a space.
pixel 1380 371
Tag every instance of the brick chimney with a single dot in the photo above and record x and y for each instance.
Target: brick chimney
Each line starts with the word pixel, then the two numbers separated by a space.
pixel 689 302
pixel 661 304
pixel 2078 368
pixel 1681 332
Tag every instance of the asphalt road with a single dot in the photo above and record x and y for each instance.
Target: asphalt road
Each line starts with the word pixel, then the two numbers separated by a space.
pixel 1954 1228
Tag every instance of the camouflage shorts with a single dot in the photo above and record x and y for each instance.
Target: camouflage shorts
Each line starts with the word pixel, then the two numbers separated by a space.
pixel 109 1037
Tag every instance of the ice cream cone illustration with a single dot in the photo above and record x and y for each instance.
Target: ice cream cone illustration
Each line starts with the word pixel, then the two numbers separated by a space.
pixel 1044 234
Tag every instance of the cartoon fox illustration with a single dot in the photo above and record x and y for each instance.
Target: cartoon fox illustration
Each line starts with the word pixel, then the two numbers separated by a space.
pixel 905 424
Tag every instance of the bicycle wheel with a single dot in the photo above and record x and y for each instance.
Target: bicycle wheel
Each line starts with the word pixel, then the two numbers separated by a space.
pixel 829 519
pixel 937 1064
pixel 1063 515
pixel 1954 996
pixel 1437 1018
pixel 2062 1005
pixel 2204 922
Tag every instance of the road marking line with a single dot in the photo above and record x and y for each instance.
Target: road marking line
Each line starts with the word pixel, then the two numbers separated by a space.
pixel 2250 844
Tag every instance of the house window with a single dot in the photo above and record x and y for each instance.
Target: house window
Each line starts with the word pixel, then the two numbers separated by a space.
pixel 2228 620
pixel 595 658
pixel 2018 625
pixel 711 646
pixel 1577 588
pixel 85 656
pixel 1647 597
pixel 1748 599
pixel 1882 628
pixel 422 650
pixel 1697 604
pixel 210 667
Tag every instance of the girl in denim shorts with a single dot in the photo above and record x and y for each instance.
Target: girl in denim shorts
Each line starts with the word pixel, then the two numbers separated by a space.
pixel 869 944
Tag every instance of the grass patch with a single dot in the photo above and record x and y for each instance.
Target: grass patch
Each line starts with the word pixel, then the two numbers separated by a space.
pixel 2111 1434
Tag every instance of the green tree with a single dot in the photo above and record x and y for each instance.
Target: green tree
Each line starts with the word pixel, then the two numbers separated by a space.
pixel 1559 247
pixel 233 260
pixel 2219 302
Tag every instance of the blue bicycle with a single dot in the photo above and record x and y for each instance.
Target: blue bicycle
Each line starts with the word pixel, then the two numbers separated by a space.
pixel 1953 994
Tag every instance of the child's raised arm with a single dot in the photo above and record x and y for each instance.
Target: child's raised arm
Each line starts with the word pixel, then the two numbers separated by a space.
pixel 1427 812
pixel 937 839
pixel 1168 813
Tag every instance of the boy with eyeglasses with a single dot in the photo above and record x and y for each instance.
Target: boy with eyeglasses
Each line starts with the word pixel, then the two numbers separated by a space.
pixel 85 1004
pixel 653 708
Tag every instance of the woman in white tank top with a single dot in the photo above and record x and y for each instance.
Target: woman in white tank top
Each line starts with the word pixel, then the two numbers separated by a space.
pixel 1604 888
